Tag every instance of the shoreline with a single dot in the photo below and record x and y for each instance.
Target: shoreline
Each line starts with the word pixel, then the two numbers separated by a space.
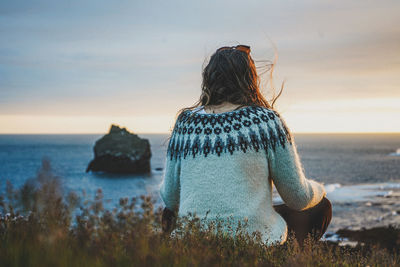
pixel 355 207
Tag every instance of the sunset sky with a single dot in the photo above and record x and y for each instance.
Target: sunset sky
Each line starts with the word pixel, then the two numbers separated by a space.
pixel 78 66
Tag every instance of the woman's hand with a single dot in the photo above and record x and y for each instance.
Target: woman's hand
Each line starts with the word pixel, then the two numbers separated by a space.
pixel 168 220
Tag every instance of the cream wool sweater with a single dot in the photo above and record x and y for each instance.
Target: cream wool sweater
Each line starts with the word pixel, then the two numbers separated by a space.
pixel 224 165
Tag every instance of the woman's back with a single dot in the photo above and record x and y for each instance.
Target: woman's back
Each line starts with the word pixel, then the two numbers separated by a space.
pixel 223 165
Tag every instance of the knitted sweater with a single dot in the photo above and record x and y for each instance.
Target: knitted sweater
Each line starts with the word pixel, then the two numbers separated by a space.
pixel 224 166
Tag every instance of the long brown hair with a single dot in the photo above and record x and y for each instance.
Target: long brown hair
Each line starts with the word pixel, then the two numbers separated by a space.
pixel 231 76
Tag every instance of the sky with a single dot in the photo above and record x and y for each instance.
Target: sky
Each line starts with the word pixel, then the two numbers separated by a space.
pixel 79 66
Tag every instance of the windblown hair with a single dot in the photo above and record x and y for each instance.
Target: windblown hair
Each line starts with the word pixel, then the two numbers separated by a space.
pixel 231 76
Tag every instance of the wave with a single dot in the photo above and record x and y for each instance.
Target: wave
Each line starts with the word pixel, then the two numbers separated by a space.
pixel 331 187
pixel 397 153
pixel 372 192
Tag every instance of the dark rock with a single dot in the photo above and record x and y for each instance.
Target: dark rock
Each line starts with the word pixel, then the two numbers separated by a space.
pixel 385 236
pixel 159 169
pixel 120 151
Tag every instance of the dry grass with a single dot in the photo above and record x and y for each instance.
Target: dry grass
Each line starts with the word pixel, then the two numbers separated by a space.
pixel 39 226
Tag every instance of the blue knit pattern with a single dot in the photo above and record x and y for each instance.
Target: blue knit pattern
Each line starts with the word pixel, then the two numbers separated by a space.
pixel 248 128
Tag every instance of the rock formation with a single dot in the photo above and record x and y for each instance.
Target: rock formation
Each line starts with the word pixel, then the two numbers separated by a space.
pixel 120 151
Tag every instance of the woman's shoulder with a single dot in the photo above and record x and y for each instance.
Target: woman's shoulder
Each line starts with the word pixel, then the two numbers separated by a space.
pixel 247 117
pixel 256 114
pixel 250 127
pixel 254 109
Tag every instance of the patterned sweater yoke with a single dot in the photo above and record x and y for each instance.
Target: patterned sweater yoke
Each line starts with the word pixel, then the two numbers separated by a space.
pixel 226 132
pixel 225 165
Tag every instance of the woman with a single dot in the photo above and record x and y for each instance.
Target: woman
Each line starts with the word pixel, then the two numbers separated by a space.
pixel 227 151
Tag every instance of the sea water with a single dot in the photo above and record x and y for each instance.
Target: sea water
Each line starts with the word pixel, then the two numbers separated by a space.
pixel 361 172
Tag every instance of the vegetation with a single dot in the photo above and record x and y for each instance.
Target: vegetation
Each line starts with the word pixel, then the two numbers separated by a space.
pixel 41 225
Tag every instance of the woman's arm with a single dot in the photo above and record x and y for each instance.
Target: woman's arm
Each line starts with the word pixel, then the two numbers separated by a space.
pixel 287 173
pixel 170 185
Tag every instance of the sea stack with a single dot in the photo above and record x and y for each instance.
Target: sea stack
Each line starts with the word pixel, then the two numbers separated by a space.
pixel 121 151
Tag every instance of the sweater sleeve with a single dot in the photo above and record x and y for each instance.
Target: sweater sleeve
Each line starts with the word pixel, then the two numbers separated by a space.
pixel 287 173
pixel 170 185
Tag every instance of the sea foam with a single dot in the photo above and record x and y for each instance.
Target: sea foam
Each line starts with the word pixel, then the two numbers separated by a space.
pixel 397 153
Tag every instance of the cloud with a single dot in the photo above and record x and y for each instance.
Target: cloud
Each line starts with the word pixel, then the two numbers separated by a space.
pixel 75 58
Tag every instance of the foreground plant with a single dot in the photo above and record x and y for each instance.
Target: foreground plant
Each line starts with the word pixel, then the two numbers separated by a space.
pixel 41 225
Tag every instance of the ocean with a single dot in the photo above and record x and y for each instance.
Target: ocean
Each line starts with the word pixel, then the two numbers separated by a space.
pixel 361 172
